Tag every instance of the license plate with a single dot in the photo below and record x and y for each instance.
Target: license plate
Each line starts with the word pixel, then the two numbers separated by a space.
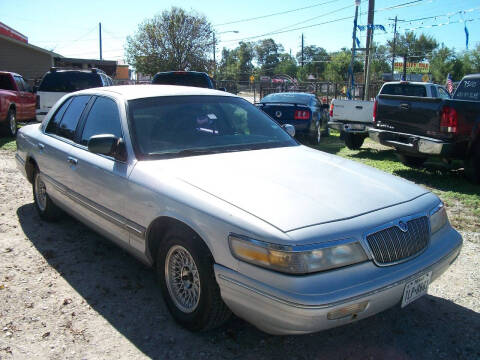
pixel 416 288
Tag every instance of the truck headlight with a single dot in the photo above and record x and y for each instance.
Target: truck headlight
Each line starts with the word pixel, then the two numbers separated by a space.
pixel 297 259
pixel 438 218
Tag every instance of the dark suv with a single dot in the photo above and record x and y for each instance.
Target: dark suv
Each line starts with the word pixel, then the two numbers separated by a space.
pixel 184 78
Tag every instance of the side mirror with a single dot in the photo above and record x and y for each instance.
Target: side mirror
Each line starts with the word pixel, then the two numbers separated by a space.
pixel 222 89
pixel 109 145
pixel 290 129
pixel 34 89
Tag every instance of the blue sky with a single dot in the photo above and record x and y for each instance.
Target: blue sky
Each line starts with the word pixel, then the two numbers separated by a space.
pixel 72 30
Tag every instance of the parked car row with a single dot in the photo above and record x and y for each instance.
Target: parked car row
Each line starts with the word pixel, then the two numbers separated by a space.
pixel 232 213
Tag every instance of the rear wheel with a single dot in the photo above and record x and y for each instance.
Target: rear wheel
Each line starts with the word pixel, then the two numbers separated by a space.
pixel 411 161
pixel 185 271
pixel 472 165
pixel 354 141
pixel 45 207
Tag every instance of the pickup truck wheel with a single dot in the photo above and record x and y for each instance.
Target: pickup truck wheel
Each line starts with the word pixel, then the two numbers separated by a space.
pixel 354 141
pixel 472 166
pixel 184 270
pixel 45 207
pixel 11 123
pixel 411 161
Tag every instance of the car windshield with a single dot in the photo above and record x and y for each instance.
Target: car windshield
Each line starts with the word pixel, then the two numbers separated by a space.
pixel 468 89
pixel 182 78
pixel 404 90
pixel 6 82
pixel 303 99
pixel 191 125
pixel 69 81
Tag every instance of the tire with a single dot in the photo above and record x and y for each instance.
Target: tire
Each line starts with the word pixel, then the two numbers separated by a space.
pixel 411 161
pixel 472 165
pixel 181 252
pixel 353 141
pixel 11 123
pixel 315 138
pixel 47 210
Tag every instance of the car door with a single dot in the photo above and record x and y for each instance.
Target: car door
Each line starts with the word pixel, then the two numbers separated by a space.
pixel 55 147
pixel 101 181
pixel 30 100
pixel 21 98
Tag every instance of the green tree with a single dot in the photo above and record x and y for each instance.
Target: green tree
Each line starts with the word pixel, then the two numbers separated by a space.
pixel 287 65
pixel 381 62
pixel 267 54
pixel 172 40
pixel 444 61
pixel 413 48
pixel 315 59
pixel 337 68
pixel 237 64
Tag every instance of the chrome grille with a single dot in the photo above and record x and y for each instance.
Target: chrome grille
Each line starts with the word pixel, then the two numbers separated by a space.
pixel 392 245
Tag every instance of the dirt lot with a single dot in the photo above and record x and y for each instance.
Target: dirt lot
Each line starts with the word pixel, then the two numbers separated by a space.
pixel 66 294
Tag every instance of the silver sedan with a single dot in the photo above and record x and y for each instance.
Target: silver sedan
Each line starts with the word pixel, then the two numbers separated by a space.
pixel 231 212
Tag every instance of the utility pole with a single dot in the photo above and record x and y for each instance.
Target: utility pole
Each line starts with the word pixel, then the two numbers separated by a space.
pixel 354 42
pixel 394 44
pixel 371 13
pixel 100 37
pixel 302 49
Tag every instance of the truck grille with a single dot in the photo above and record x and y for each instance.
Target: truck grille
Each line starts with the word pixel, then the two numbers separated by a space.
pixel 392 245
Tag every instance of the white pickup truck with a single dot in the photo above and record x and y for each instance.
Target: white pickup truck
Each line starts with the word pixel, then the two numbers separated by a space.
pixel 353 117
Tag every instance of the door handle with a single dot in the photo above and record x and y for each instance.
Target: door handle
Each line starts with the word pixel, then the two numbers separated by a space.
pixel 41 146
pixel 404 106
pixel 72 160
pixel 359 107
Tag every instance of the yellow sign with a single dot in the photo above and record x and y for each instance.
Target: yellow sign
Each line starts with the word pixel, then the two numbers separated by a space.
pixel 252 78
pixel 413 68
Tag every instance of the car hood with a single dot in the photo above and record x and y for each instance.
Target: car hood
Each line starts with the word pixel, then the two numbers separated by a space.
pixel 290 187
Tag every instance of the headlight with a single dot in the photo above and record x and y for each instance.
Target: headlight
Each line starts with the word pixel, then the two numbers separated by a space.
pixel 438 218
pixel 297 259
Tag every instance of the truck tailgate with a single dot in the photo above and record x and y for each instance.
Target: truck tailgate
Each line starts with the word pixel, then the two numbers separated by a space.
pixel 409 114
pixel 352 111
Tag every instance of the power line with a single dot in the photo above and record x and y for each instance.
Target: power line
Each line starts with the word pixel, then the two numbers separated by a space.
pixel 275 14
pixel 406 4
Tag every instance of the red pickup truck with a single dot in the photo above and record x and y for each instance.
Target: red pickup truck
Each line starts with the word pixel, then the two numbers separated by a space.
pixel 17 102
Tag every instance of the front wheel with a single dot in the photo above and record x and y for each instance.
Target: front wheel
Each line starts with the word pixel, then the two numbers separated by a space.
pixel 11 123
pixel 354 141
pixel 185 271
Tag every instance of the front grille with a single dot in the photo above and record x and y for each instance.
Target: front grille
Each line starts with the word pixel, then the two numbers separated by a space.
pixel 392 245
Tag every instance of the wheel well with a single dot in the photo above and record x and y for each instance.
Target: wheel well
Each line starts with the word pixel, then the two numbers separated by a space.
pixel 158 229
pixel 12 106
pixel 30 166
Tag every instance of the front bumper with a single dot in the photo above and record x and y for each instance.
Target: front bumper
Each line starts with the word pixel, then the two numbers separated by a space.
pixel 413 144
pixel 277 312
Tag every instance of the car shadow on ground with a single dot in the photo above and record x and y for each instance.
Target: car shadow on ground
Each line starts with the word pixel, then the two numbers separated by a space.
pixel 124 293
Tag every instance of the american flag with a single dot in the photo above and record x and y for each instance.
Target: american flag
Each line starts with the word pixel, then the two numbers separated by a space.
pixel 449 85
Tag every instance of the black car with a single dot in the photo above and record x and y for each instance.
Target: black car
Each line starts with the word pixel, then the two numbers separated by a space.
pixel 184 78
pixel 302 110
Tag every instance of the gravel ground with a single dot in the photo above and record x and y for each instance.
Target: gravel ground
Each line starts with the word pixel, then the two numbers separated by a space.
pixel 66 294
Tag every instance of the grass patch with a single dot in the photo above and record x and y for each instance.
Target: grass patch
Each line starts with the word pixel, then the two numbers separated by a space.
pixel 8 143
pixel 462 198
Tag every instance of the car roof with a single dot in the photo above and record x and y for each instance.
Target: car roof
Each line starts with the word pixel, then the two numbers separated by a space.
pixel 292 93
pixel 9 72
pixel 472 76
pixel 130 92
pixel 410 82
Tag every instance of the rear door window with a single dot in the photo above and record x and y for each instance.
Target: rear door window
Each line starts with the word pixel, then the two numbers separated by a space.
pixel 443 93
pixel 19 82
pixel 69 81
pixel 54 122
pixel 404 90
pixel 183 79
pixel 69 121
pixel 103 118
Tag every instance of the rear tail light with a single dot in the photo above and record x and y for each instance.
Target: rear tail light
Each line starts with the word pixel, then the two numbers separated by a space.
pixel 449 120
pixel 38 101
pixel 331 110
pixel 301 115
pixel 375 105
